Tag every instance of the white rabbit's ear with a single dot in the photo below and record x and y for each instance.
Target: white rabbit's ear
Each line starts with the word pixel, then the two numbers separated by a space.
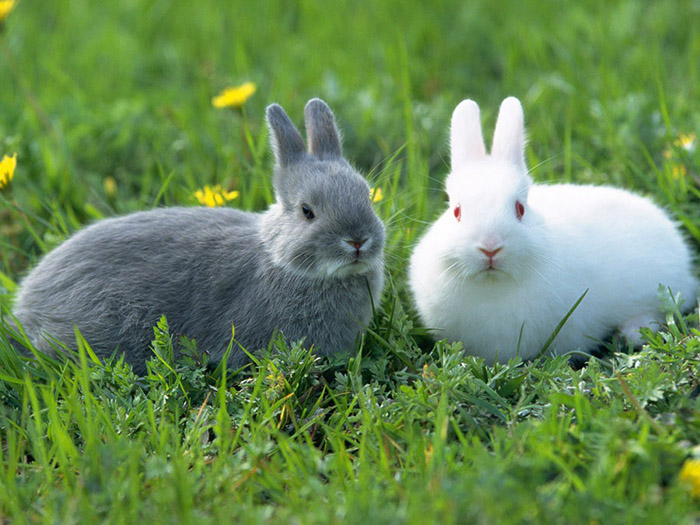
pixel 286 140
pixel 509 135
pixel 466 140
pixel 321 131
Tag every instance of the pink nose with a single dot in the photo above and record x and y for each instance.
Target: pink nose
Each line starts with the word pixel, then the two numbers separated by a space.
pixel 356 244
pixel 490 253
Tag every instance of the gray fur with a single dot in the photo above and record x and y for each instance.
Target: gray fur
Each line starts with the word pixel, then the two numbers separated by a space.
pixel 207 269
pixel 322 134
pixel 287 144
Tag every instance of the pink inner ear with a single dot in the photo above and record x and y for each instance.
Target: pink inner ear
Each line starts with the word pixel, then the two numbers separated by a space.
pixel 458 212
pixel 519 210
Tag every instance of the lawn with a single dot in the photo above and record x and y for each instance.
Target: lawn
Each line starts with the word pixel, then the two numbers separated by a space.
pixel 108 106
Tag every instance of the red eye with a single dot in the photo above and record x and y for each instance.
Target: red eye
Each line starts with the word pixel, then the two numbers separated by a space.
pixel 458 212
pixel 519 210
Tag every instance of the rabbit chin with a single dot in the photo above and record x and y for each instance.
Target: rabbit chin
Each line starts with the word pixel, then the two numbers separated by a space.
pixel 480 272
pixel 490 275
pixel 341 268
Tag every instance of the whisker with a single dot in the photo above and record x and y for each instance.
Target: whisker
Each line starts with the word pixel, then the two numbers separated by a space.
pixel 545 161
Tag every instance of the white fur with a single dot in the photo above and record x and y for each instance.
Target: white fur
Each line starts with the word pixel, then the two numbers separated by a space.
pixel 615 244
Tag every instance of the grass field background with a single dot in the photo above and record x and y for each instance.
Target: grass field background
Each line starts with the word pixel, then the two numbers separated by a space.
pixel 108 107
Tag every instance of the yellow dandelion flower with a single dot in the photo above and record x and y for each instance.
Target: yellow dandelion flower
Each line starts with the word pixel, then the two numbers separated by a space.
pixel 376 194
pixel 678 171
pixel 7 169
pixel 690 474
pixel 214 196
pixel 110 186
pixel 5 7
pixel 429 454
pixel 686 141
pixel 234 97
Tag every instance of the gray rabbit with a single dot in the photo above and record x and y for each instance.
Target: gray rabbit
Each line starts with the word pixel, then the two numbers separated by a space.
pixel 310 266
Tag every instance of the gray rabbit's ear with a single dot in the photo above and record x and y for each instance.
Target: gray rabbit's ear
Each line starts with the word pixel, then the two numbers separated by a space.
pixel 509 135
pixel 286 140
pixel 321 131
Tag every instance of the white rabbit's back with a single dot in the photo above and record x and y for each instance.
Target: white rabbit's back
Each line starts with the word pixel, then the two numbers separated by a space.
pixel 616 239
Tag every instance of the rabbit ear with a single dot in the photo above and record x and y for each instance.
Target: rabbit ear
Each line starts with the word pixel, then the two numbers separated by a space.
pixel 286 140
pixel 321 131
pixel 509 135
pixel 466 140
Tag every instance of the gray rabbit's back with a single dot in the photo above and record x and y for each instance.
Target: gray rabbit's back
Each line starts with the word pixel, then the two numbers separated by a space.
pixel 116 278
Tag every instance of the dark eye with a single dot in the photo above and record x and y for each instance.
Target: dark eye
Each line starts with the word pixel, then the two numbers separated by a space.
pixel 519 210
pixel 458 212
pixel 307 211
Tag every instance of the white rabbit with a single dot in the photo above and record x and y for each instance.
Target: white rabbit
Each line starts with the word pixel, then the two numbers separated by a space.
pixel 508 259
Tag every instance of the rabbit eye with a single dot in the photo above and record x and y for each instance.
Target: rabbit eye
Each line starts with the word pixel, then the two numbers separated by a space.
pixel 307 211
pixel 458 212
pixel 519 210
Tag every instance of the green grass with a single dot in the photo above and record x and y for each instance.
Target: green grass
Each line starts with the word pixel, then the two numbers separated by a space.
pixel 406 431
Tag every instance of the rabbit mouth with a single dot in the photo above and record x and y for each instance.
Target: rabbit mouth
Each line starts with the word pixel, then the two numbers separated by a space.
pixel 359 264
pixel 344 268
pixel 491 273
pixel 491 265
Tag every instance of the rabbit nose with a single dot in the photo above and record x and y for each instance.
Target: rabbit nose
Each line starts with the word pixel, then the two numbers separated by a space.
pixel 357 244
pixel 490 253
